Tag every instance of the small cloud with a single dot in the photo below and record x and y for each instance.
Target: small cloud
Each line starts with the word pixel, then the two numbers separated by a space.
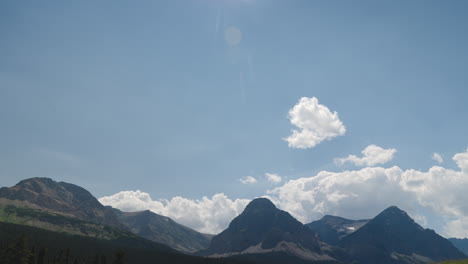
pixel 437 157
pixel 248 180
pixel 273 177
pixel 371 155
pixel 316 123
pixel 462 161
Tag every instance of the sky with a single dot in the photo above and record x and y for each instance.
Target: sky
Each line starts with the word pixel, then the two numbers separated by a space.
pixel 193 108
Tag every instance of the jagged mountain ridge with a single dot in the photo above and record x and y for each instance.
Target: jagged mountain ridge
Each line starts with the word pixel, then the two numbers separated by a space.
pixel 331 229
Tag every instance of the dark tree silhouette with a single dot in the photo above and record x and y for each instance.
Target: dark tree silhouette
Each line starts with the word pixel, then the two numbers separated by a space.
pixel 18 252
pixel 103 259
pixel 119 257
pixel 41 256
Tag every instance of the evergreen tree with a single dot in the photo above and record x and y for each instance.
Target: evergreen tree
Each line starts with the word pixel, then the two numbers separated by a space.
pixel 33 255
pixel 41 256
pixel 96 259
pixel 103 259
pixel 67 256
pixel 18 252
pixel 119 257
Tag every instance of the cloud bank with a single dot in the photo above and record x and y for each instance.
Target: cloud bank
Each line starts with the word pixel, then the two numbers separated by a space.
pixel 354 194
pixel 371 155
pixel 208 215
pixel 364 193
pixel 315 123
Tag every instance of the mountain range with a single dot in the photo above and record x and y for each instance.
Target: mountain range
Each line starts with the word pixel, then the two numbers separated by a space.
pixel 262 233
pixel 393 237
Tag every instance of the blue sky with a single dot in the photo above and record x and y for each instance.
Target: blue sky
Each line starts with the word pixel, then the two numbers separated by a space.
pixel 153 96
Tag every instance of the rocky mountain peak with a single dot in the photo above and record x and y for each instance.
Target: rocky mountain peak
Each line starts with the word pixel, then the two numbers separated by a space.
pixel 262 227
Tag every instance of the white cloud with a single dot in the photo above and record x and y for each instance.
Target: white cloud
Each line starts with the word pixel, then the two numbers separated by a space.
pixel 371 155
pixel 365 192
pixel 316 123
pixel 437 157
pixel 273 177
pixel 208 215
pixel 462 161
pixel 457 228
pixel 354 194
pixel 248 180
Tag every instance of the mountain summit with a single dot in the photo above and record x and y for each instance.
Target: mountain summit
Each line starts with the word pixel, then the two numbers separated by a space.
pixel 394 237
pixel 60 197
pixel 263 228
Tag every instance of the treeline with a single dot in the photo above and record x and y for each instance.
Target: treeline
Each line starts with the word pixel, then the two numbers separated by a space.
pixel 41 246
pixel 21 252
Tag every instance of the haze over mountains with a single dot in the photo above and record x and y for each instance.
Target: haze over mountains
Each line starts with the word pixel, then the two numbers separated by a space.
pixel 262 233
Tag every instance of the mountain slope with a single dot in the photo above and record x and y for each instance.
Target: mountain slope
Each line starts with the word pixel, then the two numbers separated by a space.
pixel 59 197
pixel 331 229
pixel 461 244
pixel 163 230
pixel 64 207
pixel 262 229
pixel 393 237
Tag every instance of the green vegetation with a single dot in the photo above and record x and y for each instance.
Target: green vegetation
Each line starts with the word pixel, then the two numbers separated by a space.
pixel 58 223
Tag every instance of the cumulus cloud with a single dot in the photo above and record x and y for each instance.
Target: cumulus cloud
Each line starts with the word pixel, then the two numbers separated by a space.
pixel 208 215
pixel 273 177
pixel 248 180
pixel 457 227
pixel 437 157
pixel 462 161
pixel 315 123
pixel 371 155
pixel 364 193
pixel 354 194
